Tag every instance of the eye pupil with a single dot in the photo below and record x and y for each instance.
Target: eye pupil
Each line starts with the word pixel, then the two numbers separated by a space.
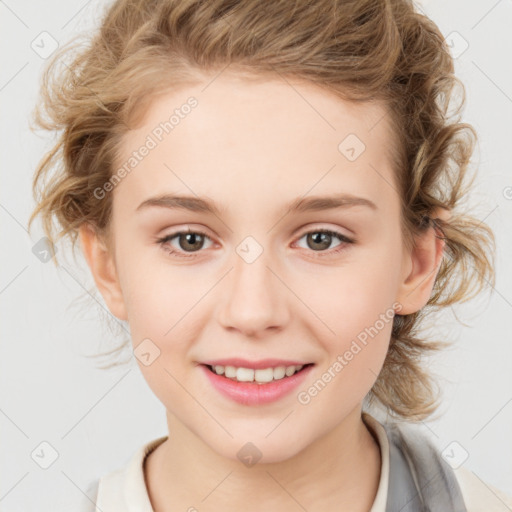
pixel 317 239
pixel 191 239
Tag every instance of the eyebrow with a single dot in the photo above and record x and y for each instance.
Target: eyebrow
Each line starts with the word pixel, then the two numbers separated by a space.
pixel 312 203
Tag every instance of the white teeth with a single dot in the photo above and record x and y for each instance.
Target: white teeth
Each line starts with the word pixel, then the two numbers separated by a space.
pixel 261 376
pixel 279 372
pixel 230 371
pixel 290 370
pixel 244 374
pixel 264 375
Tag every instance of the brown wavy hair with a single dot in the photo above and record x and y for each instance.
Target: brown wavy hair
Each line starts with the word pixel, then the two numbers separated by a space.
pixel 360 50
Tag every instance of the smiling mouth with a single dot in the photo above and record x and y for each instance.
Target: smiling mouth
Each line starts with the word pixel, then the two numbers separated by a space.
pixel 260 376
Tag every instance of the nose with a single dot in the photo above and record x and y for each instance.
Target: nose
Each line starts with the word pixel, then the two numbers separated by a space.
pixel 253 299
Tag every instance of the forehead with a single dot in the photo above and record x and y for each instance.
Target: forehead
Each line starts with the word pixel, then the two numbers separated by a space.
pixel 256 136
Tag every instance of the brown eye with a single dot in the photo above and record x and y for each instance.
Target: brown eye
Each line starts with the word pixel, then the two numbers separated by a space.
pixel 321 240
pixel 187 242
pixel 190 242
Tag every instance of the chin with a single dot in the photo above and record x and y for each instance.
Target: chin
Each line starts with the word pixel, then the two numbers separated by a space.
pixel 251 450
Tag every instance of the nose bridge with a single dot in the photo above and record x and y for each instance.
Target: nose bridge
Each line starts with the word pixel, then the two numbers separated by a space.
pixel 253 301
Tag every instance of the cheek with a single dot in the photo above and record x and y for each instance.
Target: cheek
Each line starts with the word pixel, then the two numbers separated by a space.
pixel 158 294
pixel 349 297
pixel 353 319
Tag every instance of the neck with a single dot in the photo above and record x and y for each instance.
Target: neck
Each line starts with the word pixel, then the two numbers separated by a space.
pixel 340 470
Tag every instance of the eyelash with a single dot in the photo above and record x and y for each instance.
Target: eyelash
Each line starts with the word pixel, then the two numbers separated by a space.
pixel 164 240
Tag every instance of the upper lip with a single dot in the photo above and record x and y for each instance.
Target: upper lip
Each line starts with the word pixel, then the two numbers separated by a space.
pixel 261 364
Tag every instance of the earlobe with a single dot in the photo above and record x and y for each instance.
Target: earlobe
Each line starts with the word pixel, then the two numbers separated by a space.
pixel 102 266
pixel 421 266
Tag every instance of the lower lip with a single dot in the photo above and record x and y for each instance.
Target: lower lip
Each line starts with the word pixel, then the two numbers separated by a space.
pixel 252 393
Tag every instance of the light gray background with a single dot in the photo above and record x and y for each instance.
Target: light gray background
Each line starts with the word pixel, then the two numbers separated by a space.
pixel 95 419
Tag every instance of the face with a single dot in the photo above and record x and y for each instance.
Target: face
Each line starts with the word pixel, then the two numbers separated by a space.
pixel 255 278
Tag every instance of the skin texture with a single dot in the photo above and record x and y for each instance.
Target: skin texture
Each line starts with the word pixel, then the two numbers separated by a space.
pixel 253 147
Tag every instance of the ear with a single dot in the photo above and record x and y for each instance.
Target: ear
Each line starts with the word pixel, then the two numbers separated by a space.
pixel 421 266
pixel 101 263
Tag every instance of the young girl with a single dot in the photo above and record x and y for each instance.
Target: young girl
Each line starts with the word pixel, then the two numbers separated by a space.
pixel 306 151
